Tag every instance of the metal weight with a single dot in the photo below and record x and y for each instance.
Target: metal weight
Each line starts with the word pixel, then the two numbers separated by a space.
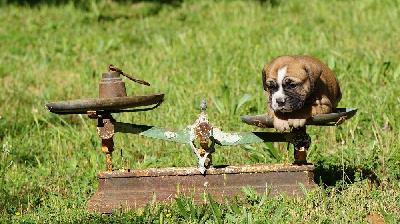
pixel 111 85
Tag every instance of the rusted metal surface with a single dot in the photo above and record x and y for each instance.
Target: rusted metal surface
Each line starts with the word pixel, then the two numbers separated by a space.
pixel 105 127
pixel 107 146
pixel 109 164
pixel 105 130
pixel 301 143
pixel 135 188
pixel 92 114
pixel 113 105
pixel 111 85
pixel 335 118
pixel 202 130
pixel 190 171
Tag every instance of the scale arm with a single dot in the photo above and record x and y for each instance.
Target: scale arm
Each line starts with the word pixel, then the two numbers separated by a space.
pixel 179 136
pixel 239 138
pixel 222 138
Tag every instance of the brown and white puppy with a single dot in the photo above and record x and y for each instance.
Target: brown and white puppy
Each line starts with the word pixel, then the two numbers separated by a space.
pixel 299 87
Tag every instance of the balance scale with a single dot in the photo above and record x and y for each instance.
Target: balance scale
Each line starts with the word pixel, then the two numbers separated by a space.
pixel 128 188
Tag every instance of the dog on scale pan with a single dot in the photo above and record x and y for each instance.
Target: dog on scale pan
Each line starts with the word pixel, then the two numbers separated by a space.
pixel 298 87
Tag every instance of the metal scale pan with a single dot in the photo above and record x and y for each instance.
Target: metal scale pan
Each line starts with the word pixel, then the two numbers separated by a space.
pixel 111 105
pixel 335 118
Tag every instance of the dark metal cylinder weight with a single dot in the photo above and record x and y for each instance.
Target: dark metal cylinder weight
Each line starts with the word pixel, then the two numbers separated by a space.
pixel 111 85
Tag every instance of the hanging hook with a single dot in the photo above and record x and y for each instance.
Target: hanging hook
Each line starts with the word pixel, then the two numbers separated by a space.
pixel 115 69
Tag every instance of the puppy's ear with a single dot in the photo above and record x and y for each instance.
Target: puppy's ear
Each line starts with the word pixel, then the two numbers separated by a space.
pixel 264 79
pixel 266 70
pixel 313 72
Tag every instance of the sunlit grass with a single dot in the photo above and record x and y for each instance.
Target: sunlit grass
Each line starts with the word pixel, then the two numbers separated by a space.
pixel 191 50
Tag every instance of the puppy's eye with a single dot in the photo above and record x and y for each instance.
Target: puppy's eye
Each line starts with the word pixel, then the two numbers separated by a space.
pixel 271 85
pixel 291 84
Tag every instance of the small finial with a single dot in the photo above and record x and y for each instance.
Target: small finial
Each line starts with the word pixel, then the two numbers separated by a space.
pixel 203 105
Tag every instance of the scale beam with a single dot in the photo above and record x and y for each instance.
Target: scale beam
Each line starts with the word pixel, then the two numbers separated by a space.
pixel 183 136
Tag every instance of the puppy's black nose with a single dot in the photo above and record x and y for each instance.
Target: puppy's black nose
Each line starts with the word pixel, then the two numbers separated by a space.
pixel 280 101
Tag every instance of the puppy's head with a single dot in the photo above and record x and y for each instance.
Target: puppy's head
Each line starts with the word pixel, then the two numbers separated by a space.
pixel 289 81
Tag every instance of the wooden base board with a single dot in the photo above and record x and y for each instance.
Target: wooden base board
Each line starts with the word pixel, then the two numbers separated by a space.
pixel 133 188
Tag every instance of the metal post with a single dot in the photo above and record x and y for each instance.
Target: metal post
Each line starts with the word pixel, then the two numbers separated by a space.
pixel 301 143
pixel 111 85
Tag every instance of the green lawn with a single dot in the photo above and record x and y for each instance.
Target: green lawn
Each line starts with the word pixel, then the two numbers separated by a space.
pixel 191 50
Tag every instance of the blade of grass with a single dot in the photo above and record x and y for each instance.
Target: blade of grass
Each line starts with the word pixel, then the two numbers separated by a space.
pixel 215 209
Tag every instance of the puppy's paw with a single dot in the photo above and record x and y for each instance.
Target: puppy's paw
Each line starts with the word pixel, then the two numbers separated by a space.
pixel 296 123
pixel 281 125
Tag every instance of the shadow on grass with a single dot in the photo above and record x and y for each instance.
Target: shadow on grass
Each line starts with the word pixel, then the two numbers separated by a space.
pixel 85 2
pixel 271 2
pixel 332 174
pixel 105 13
pixel 81 2
pixel 13 203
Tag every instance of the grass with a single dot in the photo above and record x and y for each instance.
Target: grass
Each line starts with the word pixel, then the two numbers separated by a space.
pixel 191 50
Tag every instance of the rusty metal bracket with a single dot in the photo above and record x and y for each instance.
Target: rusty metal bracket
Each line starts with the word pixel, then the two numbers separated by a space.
pixel 203 131
pixel 341 120
pixel 301 143
pixel 105 130
pixel 105 127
